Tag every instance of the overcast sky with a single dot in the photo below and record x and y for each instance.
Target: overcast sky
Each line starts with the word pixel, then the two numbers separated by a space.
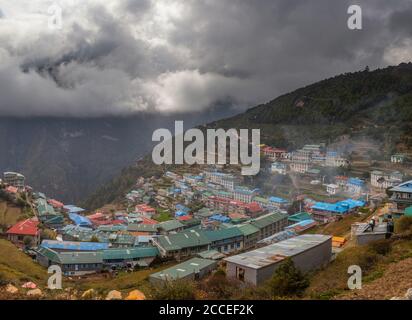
pixel 116 57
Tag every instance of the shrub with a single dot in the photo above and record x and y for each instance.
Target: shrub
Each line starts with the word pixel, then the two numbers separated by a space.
pixel 287 281
pixel 28 242
pixel 382 247
pixel 48 234
pixel 94 238
pixel 403 224
pixel 173 290
pixel 219 287
pixel 367 260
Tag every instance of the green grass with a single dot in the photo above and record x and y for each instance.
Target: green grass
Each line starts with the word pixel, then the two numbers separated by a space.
pixel 332 280
pixel 124 281
pixel 15 266
pixel 162 215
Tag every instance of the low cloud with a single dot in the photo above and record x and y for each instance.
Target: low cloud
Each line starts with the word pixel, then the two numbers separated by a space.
pixel 122 57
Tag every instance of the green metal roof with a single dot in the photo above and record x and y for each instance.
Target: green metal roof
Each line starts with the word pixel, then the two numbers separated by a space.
pixel 171 225
pixel 268 219
pixel 300 216
pixel 191 223
pixel 183 269
pixel 247 229
pixel 183 240
pixel 132 253
pixel 143 227
pixel 261 200
pixel 44 208
pixel 71 257
pixel 80 257
pixel 222 234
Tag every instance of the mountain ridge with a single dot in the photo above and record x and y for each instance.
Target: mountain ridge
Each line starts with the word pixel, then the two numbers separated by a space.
pixel 375 105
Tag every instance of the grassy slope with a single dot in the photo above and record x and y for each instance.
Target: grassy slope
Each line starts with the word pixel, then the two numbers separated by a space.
pixel 15 266
pixel 9 214
pixel 377 269
pixel 124 282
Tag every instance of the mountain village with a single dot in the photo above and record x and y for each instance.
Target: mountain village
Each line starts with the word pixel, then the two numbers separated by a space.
pixel 203 219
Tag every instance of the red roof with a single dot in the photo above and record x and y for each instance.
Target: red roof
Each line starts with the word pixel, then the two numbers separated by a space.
pixel 184 218
pixel 26 227
pixel 11 189
pixel 228 201
pixel 254 207
pixel 101 222
pixel 148 221
pixel 55 203
pixel 114 222
pixel 235 215
pixel 144 208
pixel 97 215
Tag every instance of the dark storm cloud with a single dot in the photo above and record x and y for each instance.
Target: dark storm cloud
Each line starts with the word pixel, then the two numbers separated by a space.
pixel 170 55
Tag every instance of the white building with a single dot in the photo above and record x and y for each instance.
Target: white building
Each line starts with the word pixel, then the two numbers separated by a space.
pixel 384 180
pixel 308 252
pixel 333 159
pixel 244 194
pixel 332 188
pixel 224 179
pixel 299 166
pixel 398 158
pixel 278 167
pixel 14 179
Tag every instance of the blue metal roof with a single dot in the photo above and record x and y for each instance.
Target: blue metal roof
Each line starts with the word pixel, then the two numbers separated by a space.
pixel 302 223
pixel 75 246
pixel 79 220
pixel 356 182
pixel 219 217
pixel 180 213
pixel 181 207
pixel 73 209
pixel 277 200
pixel 338 207
pixel 403 187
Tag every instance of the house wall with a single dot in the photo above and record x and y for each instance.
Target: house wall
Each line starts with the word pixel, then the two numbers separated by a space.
pixel 81 268
pixel 228 245
pixel 19 239
pixel 305 261
pixel 251 240
pixel 369 237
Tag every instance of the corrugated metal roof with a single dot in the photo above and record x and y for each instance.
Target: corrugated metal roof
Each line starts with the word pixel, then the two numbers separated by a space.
pixel 184 269
pixel 247 229
pixel 73 245
pixel 268 219
pixel 170 225
pixel 222 234
pixel 182 240
pixel 276 252
pixel 132 253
